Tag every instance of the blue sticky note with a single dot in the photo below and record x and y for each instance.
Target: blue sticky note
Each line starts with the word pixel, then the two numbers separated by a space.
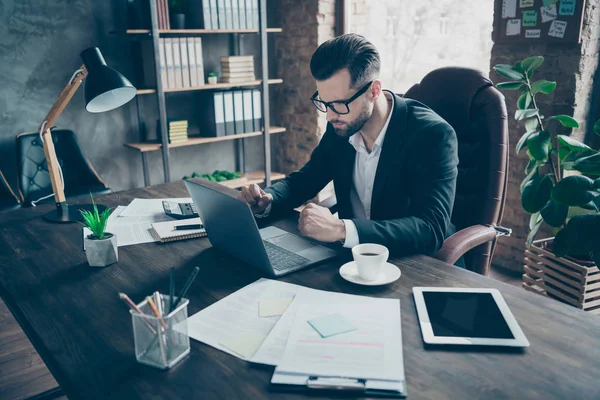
pixel 330 325
pixel 567 7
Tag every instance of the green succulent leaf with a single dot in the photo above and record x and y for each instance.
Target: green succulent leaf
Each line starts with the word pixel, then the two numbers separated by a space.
pixel 597 183
pixel 597 128
pixel 533 232
pixel 566 121
pixel 536 193
pixel 531 63
pixel 534 219
pixel 523 141
pixel 522 114
pixel 524 101
pixel 575 191
pixel 554 213
pixel 543 86
pixel 572 144
pixel 531 124
pixel 511 85
pixel 589 165
pixel 539 145
pixel 508 71
pixel 579 238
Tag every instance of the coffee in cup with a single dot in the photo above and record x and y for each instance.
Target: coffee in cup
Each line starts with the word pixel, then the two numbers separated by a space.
pixel 370 259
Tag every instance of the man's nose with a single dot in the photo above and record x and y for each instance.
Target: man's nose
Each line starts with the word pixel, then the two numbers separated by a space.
pixel 331 115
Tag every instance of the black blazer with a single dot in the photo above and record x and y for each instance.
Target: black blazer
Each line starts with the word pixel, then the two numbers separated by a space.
pixel 414 187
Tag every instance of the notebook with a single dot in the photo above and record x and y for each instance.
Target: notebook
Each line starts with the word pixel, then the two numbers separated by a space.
pixel 165 231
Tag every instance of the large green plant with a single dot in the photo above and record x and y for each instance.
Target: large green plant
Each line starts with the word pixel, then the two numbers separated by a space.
pixel 571 204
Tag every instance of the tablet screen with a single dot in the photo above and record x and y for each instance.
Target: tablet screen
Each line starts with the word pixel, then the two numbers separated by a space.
pixel 473 315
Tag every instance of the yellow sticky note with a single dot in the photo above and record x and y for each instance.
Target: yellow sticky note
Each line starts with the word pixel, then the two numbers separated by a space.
pixel 273 307
pixel 245 344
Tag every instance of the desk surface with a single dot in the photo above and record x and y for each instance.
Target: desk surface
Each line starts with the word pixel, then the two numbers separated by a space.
pixel 72 315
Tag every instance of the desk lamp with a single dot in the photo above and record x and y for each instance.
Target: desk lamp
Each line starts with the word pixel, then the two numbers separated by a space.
pixel 105 90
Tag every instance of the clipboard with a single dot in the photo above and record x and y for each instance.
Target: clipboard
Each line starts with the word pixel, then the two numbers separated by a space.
pixel 290 382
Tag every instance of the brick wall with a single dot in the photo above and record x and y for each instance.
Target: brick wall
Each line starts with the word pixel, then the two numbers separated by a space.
pixel 574 68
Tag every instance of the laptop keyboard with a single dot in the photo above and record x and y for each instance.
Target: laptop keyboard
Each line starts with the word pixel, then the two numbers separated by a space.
pixel 282 259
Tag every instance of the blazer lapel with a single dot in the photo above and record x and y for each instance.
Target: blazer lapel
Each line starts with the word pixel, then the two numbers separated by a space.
pixel 343 183
pixel 389 149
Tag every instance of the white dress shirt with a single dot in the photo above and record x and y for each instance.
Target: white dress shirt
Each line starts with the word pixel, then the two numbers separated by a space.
pixel 365 168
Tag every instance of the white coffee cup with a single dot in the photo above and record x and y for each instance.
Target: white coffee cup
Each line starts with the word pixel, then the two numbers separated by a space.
pixel 370 259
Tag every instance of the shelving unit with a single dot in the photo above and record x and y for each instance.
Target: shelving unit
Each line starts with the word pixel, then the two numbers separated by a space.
pixel 160 91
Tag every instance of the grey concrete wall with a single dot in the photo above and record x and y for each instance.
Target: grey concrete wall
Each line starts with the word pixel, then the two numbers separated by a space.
pixel 40 42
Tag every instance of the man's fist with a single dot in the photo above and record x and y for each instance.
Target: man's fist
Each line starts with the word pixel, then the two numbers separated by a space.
pixel 256 198
pixel 318 223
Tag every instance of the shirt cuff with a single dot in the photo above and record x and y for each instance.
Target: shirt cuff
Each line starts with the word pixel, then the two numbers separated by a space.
pixel 265 213
pixel 351 234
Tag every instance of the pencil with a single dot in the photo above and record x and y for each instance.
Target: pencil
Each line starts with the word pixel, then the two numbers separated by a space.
pixel 135 308
pixel 155 311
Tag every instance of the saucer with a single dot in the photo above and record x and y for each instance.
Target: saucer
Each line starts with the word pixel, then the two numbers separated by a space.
pixel 389 274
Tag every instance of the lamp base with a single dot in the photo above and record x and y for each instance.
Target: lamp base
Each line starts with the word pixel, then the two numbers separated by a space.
pixel 67 214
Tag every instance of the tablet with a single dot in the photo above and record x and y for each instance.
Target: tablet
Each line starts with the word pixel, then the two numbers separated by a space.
pixel 466 316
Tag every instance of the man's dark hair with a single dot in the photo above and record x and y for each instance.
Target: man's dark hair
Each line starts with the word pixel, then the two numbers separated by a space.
pixel 350 51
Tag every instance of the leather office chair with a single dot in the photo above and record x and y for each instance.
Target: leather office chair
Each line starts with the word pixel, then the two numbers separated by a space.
pixel 34 181
pixel 8 198
pixel 469 102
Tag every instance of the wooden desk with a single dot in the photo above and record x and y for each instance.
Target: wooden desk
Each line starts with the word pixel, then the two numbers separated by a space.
pixel 73 317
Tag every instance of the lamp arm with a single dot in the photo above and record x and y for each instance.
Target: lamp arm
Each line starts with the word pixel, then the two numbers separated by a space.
pixel 51 117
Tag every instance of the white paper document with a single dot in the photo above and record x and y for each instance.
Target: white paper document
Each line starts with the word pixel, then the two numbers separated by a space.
pixel 509 8
pixel 149 207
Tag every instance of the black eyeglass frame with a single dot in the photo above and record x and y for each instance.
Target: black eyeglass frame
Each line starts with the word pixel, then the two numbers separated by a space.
pixel 331 104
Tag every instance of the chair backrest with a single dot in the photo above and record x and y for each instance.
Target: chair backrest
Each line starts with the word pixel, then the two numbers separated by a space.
pixel 8 199
pixel 469 102
pixel 34 180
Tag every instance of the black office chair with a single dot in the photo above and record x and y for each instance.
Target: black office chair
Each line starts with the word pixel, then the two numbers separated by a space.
pixel 8 199
pixel 80 178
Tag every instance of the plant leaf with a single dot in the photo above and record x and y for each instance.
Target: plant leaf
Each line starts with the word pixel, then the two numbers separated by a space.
pixel 555 214
pixel 532 174
pixel 597 183
pixel 576 190
pixel 543 86
pixel 510 85
pixel 536 193
pixel 534 219
pixel 539 145
pixel 572 144
pixel 522 114
pixel 566 121
pixel 580 237
pixel 597 127
pixel 531 63
pixel 524 101
pixel 523 141
pixel 588 165
pixel 508 71
pixel 533 232
pixel 531 124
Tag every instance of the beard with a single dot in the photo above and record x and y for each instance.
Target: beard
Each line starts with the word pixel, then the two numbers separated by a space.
pixel 353 127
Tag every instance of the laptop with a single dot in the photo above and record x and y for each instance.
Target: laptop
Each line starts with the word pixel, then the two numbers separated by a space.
pixel 231 227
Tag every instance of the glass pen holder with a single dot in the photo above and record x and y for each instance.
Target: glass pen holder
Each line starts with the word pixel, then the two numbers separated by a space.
pixel 161 342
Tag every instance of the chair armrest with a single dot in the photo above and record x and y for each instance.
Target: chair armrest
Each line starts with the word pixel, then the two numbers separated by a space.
pixel 331 203
pixel 467 239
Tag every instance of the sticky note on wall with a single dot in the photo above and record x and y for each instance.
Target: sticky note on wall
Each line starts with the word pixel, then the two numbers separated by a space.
pixel 509 8
pixel 566 7
pixel 513 27
pixel 526 3
pixel 530 18
pixel 558 29
pixel 549 13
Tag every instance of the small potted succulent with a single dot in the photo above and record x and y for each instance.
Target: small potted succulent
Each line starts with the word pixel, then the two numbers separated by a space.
pixel 100 246
pixel 177 10
pixel 212 78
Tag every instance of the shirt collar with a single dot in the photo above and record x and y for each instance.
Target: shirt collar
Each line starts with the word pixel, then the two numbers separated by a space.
pixel 357 141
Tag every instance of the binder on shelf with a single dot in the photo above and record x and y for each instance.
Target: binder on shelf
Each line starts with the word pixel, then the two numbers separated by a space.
pixel 242 14
pixel 199 60
pixel 249 14
pixel 177 64
pixel 235 14
pixel 255 14
pixel 228 14
pixel 214 14
pixel 170 63
pixel 221 14
pixel 185 66
pixel 206 14
pixel 162 62
pixel 238 111
pixel 229 116
pixel 256 110
pixel 248 119
pixel 219 110
pixel 189 42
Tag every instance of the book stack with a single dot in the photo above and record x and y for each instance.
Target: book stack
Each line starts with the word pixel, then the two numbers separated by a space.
pixel 235 69
pixel 178 131
pixel 162 8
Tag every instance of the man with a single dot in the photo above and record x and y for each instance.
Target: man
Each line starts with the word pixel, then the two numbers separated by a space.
pixel 393 161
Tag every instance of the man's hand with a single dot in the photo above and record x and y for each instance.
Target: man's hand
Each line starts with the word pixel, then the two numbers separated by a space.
pixel 257 198
pixel 318 223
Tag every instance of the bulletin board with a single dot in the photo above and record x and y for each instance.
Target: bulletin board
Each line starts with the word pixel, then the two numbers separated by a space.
pixel 539 21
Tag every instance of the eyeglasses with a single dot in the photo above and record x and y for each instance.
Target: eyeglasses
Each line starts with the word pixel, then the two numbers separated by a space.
pixel 338 106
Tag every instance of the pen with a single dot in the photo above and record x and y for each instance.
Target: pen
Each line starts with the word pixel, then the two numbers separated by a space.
pixel 155 311
pixel 185 227
pixel 186 287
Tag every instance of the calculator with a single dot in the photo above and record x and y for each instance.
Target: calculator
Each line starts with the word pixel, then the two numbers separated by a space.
pixel 180 210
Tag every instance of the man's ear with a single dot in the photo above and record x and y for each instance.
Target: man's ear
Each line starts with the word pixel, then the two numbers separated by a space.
pixel 376 89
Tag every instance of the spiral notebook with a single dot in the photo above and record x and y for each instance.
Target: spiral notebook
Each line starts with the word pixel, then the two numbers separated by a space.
pixel 166 232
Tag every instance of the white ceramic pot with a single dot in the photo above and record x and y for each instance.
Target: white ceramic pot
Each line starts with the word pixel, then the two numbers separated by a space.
pixel 102 252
